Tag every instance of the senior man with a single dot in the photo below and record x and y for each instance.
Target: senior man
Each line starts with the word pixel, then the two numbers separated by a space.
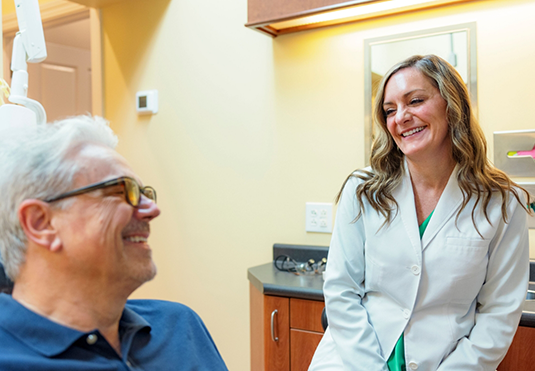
pixel 74 225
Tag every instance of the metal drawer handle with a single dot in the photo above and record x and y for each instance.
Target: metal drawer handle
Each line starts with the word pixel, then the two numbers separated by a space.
pixel 273 337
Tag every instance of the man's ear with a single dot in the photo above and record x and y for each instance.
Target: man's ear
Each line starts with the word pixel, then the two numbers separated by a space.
pixel 35 217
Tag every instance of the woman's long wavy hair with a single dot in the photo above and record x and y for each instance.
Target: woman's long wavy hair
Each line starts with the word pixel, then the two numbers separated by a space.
pixel 476 176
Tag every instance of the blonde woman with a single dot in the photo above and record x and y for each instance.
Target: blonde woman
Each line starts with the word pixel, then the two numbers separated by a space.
pixel 428 264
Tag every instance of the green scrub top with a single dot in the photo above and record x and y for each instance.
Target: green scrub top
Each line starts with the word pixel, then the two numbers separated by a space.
pixel 396 362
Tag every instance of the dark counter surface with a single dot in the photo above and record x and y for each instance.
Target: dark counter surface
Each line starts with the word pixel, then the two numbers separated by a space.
pixel 270 281
pixel 528 309
pixel 528 314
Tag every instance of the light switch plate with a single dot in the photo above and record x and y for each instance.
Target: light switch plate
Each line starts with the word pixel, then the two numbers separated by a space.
pixel 319 217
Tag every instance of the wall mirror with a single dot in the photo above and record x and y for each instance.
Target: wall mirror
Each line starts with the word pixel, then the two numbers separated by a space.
pixel 456 44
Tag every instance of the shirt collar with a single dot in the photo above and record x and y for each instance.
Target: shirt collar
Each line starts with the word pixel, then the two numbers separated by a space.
pixel 131 321
pixel 37 331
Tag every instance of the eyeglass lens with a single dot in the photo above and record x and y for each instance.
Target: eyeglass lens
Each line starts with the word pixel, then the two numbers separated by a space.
pixel 133 192
pixel 150 193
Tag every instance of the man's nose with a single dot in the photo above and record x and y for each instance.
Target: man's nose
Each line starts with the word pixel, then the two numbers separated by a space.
pixel 147 209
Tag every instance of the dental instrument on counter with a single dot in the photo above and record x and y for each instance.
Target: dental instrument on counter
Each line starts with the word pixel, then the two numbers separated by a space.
pixel 28 46
pixel 286 263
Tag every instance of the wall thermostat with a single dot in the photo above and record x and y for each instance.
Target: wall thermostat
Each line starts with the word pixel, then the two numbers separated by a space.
pixel 147 102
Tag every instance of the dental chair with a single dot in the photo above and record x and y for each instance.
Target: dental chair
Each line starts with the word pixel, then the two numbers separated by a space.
pixel 6 286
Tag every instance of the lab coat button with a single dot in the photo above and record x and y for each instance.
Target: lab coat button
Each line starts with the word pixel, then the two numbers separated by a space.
pixel 415 270
pixel 413 365
pixel 406 313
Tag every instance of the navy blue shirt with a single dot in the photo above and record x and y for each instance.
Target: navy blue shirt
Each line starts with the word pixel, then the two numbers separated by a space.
pixel 155 336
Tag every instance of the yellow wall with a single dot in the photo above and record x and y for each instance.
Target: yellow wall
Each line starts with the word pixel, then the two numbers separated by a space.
pixel 250 128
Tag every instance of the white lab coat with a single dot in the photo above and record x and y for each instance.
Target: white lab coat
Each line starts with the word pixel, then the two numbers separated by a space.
pixel 457 297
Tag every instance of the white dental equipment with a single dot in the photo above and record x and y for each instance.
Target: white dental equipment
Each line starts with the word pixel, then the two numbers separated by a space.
pixel 28 46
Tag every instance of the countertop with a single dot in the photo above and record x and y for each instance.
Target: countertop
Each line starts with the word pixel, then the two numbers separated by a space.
pixel 270 281
pixel 528 311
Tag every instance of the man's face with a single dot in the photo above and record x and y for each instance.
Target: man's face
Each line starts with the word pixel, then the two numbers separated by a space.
pixel 103 237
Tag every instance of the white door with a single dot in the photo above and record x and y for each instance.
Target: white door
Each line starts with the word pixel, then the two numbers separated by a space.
pixel 62 83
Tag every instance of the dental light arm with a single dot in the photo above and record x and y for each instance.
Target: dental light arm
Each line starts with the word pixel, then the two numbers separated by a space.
pixel 31 30
pixel 28 46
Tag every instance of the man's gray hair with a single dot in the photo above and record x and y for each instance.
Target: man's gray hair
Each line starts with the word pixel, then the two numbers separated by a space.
pixel 35 164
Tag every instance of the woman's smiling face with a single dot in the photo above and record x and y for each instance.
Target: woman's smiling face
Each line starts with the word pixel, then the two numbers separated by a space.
pixel 415 115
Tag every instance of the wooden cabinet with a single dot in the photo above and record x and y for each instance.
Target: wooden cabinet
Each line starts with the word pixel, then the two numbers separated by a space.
pixel 275 10
pixel 521 354
pixel 278 17
pixel 284 331
pixel 270 332
pixel 263 15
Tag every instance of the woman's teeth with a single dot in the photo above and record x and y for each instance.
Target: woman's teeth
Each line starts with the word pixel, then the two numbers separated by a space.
pixel 413 131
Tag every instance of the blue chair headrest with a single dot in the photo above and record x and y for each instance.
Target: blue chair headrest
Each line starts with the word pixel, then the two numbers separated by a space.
pixel 6 285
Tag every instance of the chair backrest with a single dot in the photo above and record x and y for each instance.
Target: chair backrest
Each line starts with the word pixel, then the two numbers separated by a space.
pixel 324 321
pixel 6 285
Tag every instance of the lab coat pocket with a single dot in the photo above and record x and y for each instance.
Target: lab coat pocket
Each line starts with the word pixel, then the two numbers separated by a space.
pixel 469 254
pixel 373 275
pixel 468 260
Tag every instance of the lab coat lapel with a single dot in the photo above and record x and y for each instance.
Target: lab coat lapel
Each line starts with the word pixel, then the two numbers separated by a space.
pixel 404 196
pixel 446 208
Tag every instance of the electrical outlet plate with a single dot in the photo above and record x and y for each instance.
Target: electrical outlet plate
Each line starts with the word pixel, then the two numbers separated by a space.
pixel 319 217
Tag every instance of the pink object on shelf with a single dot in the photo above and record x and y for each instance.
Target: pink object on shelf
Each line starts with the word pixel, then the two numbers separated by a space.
pixel 527 153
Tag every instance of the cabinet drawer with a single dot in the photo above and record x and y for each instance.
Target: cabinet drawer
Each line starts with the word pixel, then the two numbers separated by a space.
pixel 306 314
pixel 302 348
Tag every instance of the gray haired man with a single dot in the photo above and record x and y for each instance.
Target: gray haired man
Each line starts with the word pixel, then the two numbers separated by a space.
pixel 74 229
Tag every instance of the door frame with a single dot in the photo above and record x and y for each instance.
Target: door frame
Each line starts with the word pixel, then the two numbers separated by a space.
pixel 59 12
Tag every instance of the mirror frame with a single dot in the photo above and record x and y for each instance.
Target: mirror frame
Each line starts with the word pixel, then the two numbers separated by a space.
pixel 469 28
